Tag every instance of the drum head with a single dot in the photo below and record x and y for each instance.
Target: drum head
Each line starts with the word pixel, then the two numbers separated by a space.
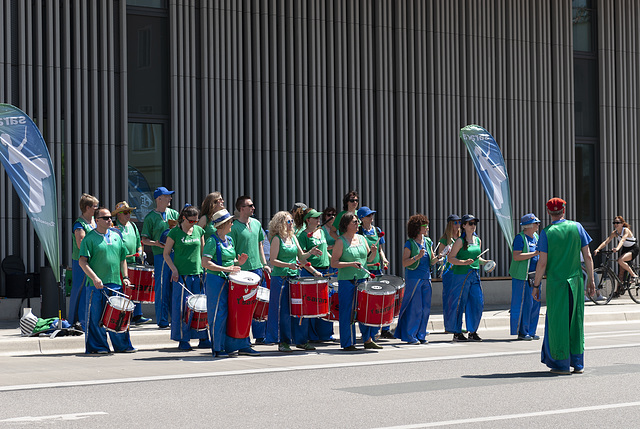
pixel 333 283
pixel 395 281
pixel 489 266
pixel 304 280
pixel 121 303
pixel 375 287
pixel 198 303
pixel 263 294
pixel 245 278
pixel 446 250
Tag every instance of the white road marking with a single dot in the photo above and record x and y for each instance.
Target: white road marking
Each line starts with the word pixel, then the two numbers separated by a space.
pixel 514 416
pixel 58 417
pixel 282 369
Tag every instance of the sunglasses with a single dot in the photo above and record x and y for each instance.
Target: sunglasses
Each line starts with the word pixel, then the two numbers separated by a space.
pixel 355 200
pixel 249 205
pixel 615 222
pixel 472 223
pixel 456 222
pixel 425 225
pixel 126 213
pixel 191 221
pixel 107 218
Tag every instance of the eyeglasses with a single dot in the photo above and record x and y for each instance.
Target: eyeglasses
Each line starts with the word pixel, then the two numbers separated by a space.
pixel 353 200
pixel 218 200
pixel 126 213
pixel 472 223
pixel 425 225
pixel 289 221
pixel 616 222
pixel 456 222
pixel 249 205
pixel 191 221
pixel 356 221
pixel 107 218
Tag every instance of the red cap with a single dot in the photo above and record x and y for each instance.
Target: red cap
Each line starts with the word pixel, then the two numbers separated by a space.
pixel 555 204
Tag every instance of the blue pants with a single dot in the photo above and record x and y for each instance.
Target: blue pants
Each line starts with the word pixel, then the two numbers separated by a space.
pixel 78 300
pixel 347 293
pixel 259 329
pixel 217 311
pixel 525 311
pixel 319 329
pixel 95 339
pixel 279 329
pixel 470 301
pixel 575 360
pixel 414 311
pixel 181 331
pixel 162 275
pixel 450 296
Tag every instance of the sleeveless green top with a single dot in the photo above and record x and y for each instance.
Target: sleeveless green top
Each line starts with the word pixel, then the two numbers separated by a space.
pixel 87 229
pixel 287 253
pixel 351 253
pixel 307 243
pixel 472 252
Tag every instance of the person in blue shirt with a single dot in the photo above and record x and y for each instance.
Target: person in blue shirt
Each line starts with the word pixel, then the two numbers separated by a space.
pixel 525 311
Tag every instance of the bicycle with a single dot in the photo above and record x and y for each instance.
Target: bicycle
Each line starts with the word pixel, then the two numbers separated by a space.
pixel 607 282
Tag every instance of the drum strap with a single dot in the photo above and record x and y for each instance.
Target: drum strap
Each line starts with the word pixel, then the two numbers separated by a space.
pixel 218 249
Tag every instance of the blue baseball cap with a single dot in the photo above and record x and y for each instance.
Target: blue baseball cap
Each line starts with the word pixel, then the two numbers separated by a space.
pixel 528 219
pixel 469 217
pixel 365 211
pixel 161 190
pixel 453 218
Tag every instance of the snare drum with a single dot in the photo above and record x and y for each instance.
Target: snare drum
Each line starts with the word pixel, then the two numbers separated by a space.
pixel 398 284
pixel 309 296
pixel 243 287
pixel 376 302
pixel 142 284
pixel 334 302
pixel 195 314
pixel 117 314
pixel 489 266
pixel 260 314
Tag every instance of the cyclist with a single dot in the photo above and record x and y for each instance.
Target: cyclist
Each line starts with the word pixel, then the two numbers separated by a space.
pixel 627 247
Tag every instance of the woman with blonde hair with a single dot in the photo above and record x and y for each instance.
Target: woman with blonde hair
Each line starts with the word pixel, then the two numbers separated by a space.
pixel 627 247
pixel 449 301
pixel 284 254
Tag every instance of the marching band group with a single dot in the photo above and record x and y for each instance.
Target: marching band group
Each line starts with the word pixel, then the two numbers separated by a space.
pixel 207 262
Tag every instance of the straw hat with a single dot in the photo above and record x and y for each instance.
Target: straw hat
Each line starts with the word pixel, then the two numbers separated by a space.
pixel 122 206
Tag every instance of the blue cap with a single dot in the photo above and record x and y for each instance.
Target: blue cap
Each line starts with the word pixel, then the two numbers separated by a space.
pixel 468 217
pixel 365 211
pixel 453 217
pixel 528 219
pixel 161 190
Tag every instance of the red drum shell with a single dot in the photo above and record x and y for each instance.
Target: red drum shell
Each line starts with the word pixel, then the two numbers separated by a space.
pixel 309 297
pixel 398 283
pixel 195 314
pixel 376 302
pixel 334 301
pixel 398 300
pixel 260 314
pixel 117 314
pixel 243 288
pixel 142 288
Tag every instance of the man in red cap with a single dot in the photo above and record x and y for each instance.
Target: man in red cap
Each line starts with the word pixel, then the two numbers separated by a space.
pixel 560 246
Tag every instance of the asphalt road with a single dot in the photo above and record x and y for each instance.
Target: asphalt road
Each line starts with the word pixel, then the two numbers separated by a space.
pixel 496 383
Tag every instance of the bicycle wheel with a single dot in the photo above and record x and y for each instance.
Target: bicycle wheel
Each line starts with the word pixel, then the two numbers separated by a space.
pixel 605 285
pixel 634 288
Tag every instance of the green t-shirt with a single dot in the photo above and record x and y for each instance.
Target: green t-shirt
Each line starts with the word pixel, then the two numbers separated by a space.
pixel 472 252
pixel 351 253
pixel 287 253
pixel 187 250
pixel 79 223
pixel 247 240
pixel 209 230
pixel 155 224
pixel 131 238
pixel 104 253
pixel 336 221
pixel 227 253
pixel 307 243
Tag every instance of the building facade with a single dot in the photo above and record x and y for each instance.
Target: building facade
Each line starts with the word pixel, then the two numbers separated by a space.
pixel 303 100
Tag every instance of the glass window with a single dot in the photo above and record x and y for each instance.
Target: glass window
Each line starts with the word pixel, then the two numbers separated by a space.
pixel 145 165
pixel 585 76
pixel 158 4
pixel 582 26
pixel 586 186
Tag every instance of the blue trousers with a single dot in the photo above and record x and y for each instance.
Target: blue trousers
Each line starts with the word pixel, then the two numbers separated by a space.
pixel 217 289
pixel 279 329
pixel 163 287
pixel 470 300
pixel 450 298
pixel 575 360
pixel 319 329
pixel 78 300
pixel 95 339
pixel 259 329
pixel 414 311
pixel 525 311
pixel 181 331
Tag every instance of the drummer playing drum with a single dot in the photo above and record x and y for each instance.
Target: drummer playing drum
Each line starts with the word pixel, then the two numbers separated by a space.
pixel 102 258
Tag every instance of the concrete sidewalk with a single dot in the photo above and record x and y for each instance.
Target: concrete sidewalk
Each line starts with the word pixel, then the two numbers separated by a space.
pixel 149 337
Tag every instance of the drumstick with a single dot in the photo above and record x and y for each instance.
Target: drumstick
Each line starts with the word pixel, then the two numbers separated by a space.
pixel 373 276
pixel 380 235
pixel 118 292
pixel 377 264
pixel 310 269
pixel 185 288
pixel 135 255
pixel 478 257
pixel 310 234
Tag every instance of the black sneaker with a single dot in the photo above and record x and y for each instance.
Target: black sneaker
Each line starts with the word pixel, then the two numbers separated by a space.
pixel 474 337
pixel 459 337
pixel 387 335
